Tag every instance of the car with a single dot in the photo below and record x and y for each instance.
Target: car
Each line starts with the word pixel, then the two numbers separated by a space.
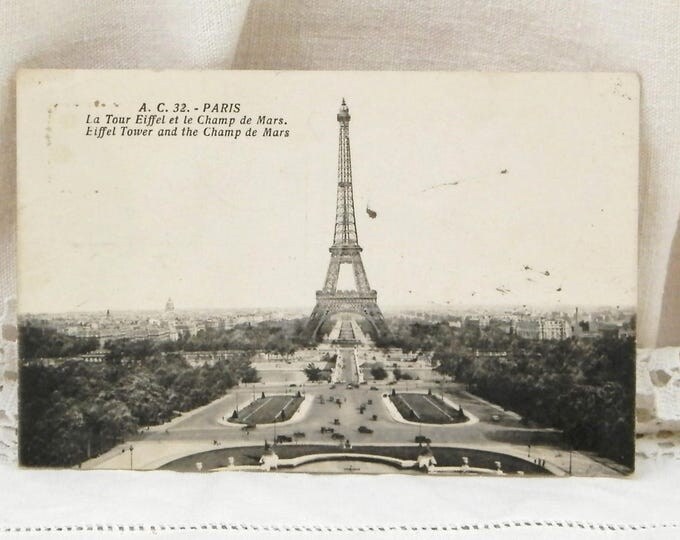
pixel 364 429
pixel 350 386
pixel 332 386
pixel 248 427
pixel 373 388
pixel 292 385
pixel 327 429
pixel 422 439
pixel 283 439
pixel 336 421
pixel 337 436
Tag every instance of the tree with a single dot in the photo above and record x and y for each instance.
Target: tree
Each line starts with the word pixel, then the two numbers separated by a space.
pixel 584 388
pixel 44 342
pixel 250 375
pixel 378 373
pixel 74 410
pixel 400 375
pixel 312 372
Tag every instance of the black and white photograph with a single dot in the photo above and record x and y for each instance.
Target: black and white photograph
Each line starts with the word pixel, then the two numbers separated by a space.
pixel 424 273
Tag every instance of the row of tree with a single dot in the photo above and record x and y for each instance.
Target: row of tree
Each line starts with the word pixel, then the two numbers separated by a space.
pixel 75 410
pixel 573 387
pixel 282 337
pixel 379 373
pixel 585 388
pixel 414 336
pixel 37 341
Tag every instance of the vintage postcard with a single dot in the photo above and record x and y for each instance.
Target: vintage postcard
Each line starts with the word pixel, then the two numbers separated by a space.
pixel 328 272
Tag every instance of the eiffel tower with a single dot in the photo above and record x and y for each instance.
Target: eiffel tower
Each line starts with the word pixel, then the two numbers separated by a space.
pixel 362 300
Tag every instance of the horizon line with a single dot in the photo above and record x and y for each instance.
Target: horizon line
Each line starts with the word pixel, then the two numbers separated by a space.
pixel 401 307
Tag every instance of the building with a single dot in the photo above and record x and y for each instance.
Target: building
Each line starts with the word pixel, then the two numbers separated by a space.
pixel 472 323
pixel 543 329
pixel 554 329
pixel 527 329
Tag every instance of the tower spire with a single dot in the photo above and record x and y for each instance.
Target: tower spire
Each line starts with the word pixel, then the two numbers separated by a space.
pixel 345 223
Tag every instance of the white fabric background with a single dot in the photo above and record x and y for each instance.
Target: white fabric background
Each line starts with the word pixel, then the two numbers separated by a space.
pixel 421 35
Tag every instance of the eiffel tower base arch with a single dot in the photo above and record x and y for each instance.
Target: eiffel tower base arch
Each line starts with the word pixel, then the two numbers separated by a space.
pixel 363 305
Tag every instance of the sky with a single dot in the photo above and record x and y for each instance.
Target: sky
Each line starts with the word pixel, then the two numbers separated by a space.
pixel 488 189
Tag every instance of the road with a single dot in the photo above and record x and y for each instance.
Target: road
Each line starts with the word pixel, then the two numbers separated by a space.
pixel 204 428
pixel 349 374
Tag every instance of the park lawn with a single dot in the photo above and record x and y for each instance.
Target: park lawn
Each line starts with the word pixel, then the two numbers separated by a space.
pixel 428 409
pixel 268 410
